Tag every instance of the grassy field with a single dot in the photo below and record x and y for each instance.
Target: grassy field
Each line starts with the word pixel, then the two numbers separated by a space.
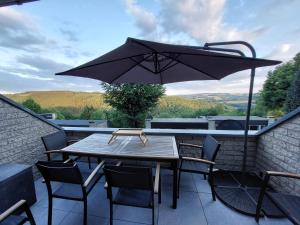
pixel 52 99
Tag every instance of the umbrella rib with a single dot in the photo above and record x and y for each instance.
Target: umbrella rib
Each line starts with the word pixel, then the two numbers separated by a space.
pixel 166 68
pixel 195 68
pixel 137 64
pixel 96 64
pixel 144 45
pixel 168 65
pixel 144 67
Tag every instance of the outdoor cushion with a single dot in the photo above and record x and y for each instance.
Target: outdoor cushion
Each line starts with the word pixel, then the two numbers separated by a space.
pixel 289 204
pixel 133 197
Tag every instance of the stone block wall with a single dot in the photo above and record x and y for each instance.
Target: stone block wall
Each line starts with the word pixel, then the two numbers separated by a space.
pixel 279 150
pixel 20 136
pixel 230 155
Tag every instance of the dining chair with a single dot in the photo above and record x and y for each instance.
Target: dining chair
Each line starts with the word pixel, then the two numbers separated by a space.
pixel 58 141
pixel 201 162
pixel 12 216
pixel 73 184
pixel 134 187
pixel 288 204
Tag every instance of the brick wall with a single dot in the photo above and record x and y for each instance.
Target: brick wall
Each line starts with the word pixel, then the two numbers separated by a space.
pixel 279 150
pixel 20 136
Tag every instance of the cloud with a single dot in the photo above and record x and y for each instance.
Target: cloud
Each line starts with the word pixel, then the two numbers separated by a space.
pixel 284 52
pixel 42 64
pixel 71 35
pixel 11 83
pixel 203 21
pixel 144 19
pixel 18 31
pixel 199 20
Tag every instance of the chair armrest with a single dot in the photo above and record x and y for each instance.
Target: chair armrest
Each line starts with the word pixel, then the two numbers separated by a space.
pixel 118 164
pixel 156 180
pixel 59 151
pixel 12 209
pixel 52 152
pixel 199 160
pixel 72 141
pixel 190 145
pixel 283 174
pixel 93 174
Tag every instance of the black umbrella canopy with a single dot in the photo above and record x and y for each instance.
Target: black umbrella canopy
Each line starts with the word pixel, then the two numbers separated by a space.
pixel 147 62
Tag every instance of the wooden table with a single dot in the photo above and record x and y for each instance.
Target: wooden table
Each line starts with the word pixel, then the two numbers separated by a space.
pixel 158 148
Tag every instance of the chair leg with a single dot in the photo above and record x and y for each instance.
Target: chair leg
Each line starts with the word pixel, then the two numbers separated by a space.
pixel 153 215
pixel 212 188
pixel 159 190
pixel 85 211
pixel 89 160
pixel 179 176
pixel 111 212
pixel 50 210
pixel 29 215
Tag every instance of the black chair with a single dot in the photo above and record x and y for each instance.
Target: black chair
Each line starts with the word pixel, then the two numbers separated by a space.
pixel 11 216
pixel 135 187
pixel 58 141
pixel 201 162
pixel 288 204
pixel 74 185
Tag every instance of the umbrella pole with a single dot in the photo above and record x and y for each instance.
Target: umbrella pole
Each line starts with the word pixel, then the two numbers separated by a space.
pixel 245 152
pixel 250 47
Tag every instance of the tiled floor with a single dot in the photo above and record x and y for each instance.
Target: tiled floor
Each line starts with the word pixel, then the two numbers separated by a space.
pixel 195 207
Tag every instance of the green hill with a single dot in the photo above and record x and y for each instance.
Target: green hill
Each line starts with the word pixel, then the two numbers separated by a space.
pixel 52 99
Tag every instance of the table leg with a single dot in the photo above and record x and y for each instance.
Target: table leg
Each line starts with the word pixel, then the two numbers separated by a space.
pixel 175 183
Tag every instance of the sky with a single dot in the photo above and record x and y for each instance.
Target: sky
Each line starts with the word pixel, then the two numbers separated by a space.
pixel 41 38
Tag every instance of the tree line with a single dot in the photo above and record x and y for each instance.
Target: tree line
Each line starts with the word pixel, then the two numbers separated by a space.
pixel 281 90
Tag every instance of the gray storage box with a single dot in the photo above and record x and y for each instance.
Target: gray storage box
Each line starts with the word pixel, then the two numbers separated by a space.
pixel 16 182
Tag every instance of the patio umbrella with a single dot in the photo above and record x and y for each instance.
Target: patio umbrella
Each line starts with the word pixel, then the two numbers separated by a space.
pixel 147 62
pixel 140 61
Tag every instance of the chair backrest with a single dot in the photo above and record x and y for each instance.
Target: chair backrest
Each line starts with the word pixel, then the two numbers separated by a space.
pixel 129 177
pixel 60 172
pixel 210 148
pixel 55 141
pixel 230 125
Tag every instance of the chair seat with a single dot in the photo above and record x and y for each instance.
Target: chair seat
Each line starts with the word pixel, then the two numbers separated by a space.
pixel 14 220
pixel 133 197
pixel 196 166
pixel 74 190
pixel 289 204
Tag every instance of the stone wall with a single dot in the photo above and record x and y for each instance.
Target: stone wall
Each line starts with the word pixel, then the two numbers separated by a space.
pixel 279 150
pixel 20 136
pixel 230 155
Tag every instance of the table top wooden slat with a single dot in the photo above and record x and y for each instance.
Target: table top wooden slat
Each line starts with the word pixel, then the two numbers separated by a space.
pixel 163 147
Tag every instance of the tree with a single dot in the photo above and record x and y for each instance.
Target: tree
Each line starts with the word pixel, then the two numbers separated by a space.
pixel 32 105
pixel 293 95
pixel 87 112
pixel 273 96
pixel 133 100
